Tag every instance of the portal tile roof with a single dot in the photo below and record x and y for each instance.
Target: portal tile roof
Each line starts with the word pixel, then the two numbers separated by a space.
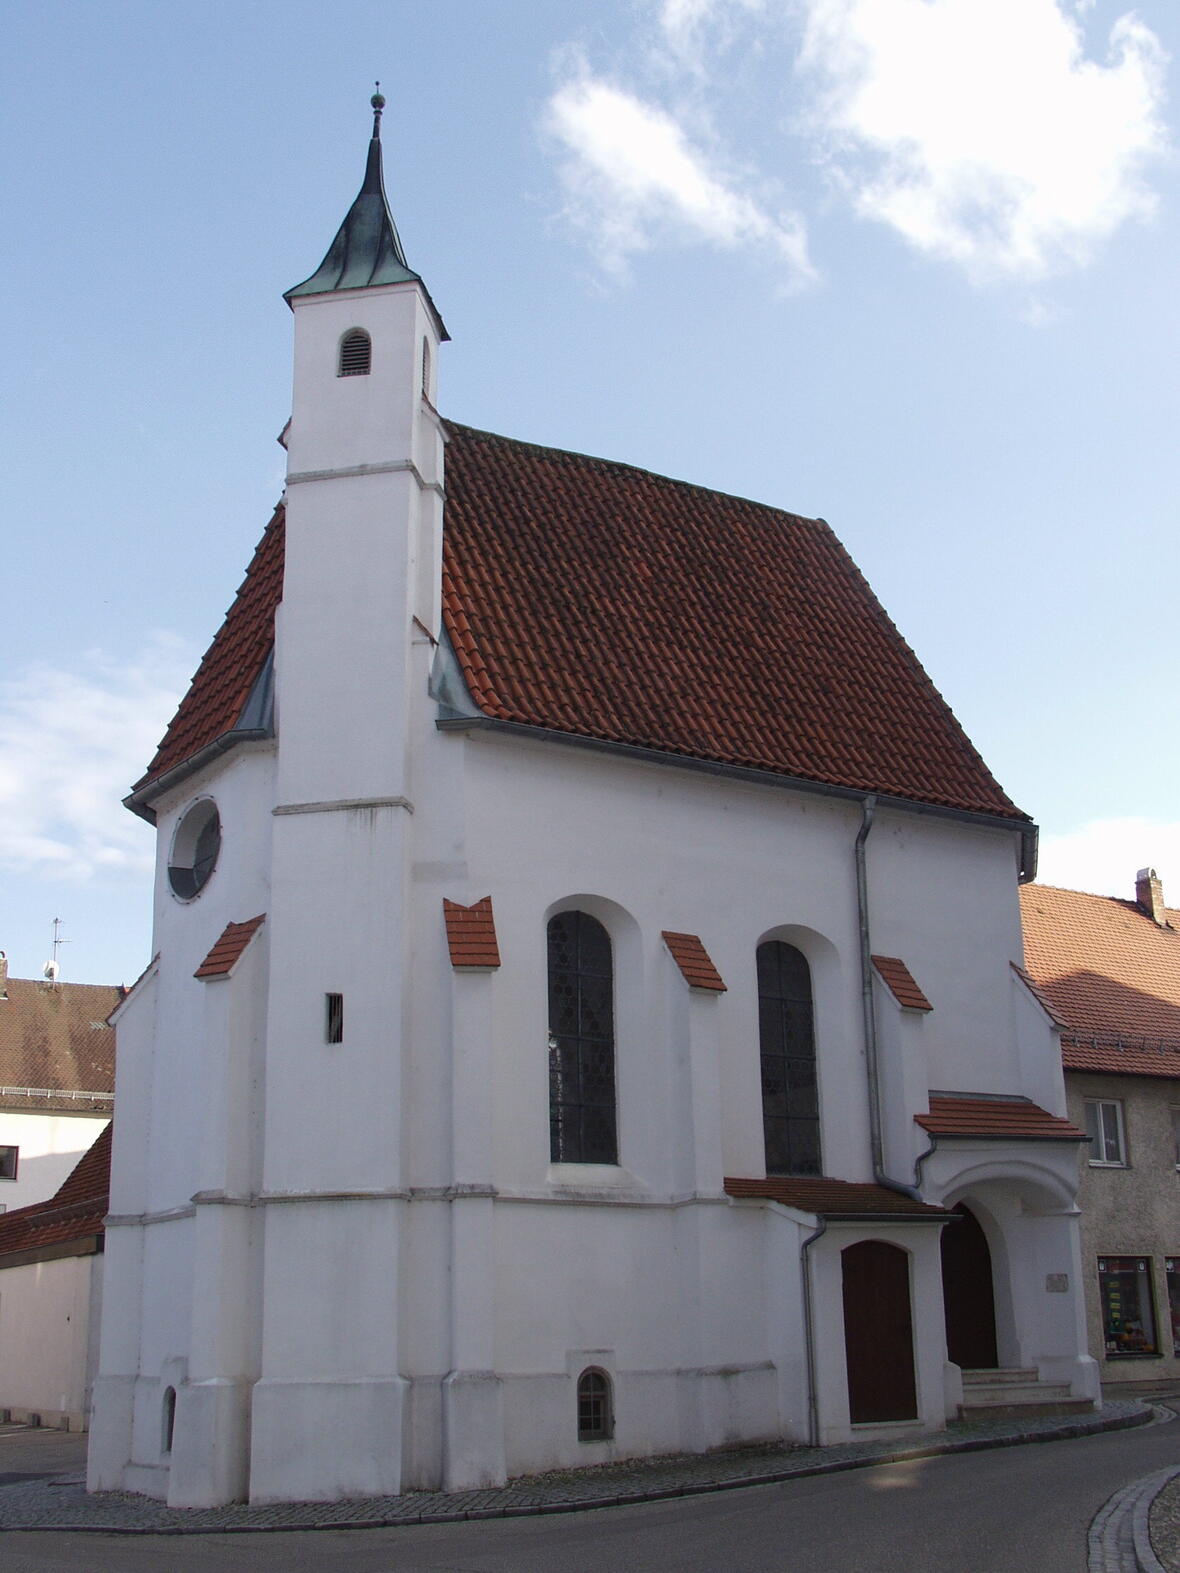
pixel 599 601
pixel 471 934
pixel 76 1212
pixel 54 1038
pixel 694 961
pixel 1111 974
pixel 220 961
pixel 998 1119
pixel 899 980
pixel 834 1198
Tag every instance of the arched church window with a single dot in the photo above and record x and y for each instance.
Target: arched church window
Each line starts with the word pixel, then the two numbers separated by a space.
pixel 582 1126
pixel 786 1031
pixel 356 353
pixel 596 1421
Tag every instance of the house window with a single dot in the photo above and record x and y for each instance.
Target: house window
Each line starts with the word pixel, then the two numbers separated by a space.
pixel 1172 1273
pixel 1104 1127
pixel 790 1095
pixel 356 353
pixel 582 1125
pixel 595 1411
pixel 334 1018
pixel 1128 1316
pixel 1176 1137
pixel 8 1157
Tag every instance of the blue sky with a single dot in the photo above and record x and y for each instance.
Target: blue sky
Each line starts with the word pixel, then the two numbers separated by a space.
pixel 905 264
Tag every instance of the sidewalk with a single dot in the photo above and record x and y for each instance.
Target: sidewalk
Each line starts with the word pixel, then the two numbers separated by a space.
pixel 59 1501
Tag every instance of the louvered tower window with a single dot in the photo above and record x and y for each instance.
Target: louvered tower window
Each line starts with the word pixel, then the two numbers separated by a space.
pixel 356 353
pixel 786 1031
pixel 581 1041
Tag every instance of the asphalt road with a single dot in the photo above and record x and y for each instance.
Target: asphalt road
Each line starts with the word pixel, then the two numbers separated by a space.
pixel 1012 1510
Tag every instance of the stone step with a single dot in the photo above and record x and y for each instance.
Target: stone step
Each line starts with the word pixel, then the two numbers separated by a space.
pixel 1014 1393
pixel 990 1375
pixel 1009 1411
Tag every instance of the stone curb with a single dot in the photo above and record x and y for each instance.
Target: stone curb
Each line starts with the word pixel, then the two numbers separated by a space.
pixel 1144 1550
pixel 284 1517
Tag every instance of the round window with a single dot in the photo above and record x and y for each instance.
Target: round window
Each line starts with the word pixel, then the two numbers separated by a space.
pixel 194 849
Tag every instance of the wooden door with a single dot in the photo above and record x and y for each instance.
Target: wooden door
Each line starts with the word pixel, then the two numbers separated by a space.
pixel 878 1333
pixel 967 1293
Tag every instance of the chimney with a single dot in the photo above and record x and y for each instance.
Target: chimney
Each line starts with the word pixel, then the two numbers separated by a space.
pixel 1149 894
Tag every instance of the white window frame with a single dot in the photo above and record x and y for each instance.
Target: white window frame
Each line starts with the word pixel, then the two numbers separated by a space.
pixel 1097 1128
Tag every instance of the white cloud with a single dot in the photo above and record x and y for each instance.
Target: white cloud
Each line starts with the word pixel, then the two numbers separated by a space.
pixel 71 744
pixel 631 176
pixel 694 30
pixel 1105 855
pixel 979 130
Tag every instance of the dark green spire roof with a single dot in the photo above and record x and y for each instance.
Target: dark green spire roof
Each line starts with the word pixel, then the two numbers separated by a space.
pixel 367 250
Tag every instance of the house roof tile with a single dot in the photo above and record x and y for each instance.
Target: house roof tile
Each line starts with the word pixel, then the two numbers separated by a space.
pixel 592 599
pixel 76 1212
pixel 694 961
pixel 54 1038
pixel 834 1198
pixel 899 980
pixel 1003 1119
pixel 471 934
pixel 220 961
pixel 1112 976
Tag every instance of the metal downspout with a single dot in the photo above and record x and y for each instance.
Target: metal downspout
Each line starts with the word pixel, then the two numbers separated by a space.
pixel 872 1069
pixel 809 1334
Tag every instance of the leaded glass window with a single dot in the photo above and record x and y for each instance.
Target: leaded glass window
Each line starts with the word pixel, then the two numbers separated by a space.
pixel 790 1095
pixel 581 1041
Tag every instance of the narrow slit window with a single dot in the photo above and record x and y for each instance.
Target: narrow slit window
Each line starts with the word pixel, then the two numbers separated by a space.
pixel 334 1016
pixel 595 1416
pixel 356 353
pixel 426 367
pixel 169 1419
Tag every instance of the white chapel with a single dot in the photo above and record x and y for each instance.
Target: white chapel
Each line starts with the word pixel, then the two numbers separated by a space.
pixel 587 1016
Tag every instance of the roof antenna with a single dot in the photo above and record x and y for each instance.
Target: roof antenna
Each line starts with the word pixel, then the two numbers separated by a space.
pixel 378 103
pixel 53 968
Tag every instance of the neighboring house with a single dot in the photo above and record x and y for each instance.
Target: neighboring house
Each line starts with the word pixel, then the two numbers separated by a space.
pixel 585 986
pixel 50 1295
pixel 57 1080
pixel 1110 971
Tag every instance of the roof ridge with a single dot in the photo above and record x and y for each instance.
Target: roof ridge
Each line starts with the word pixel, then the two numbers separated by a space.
pixel 623 466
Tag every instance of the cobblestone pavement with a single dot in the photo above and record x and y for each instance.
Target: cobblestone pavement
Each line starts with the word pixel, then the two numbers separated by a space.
pixel 1164 1520
pixel 60 1502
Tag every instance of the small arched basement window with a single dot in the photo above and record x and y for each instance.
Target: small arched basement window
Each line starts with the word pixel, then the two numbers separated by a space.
pixel 356 353
pixel 596 1421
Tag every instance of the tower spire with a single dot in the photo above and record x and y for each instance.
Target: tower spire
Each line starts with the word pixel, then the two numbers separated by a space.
pixel 367 250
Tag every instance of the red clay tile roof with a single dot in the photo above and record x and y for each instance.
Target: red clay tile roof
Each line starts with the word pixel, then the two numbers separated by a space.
pixel 834 1198
pixel 600 601
pixel 218 692
pixel 1004 1119
pixel 1111 974
pixel 220 961
pixel 75 1213
pixel 54 1038
pixel 471 934
pixel 899 980
pixel 694 961
pixel 592 598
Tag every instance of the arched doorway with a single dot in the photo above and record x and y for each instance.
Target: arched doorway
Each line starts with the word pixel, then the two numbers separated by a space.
pixel 878 1333
pixel 968 1296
